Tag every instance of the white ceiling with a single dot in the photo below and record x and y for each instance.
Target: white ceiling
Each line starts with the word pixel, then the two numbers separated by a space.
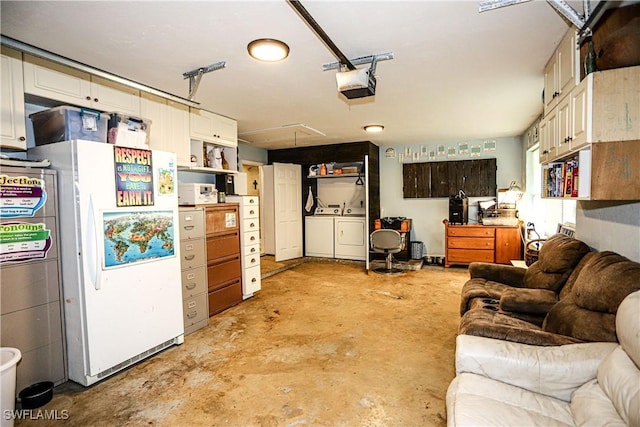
pixel 457 74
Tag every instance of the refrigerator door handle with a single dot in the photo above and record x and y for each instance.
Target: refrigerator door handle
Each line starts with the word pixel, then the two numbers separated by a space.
pixel 93 259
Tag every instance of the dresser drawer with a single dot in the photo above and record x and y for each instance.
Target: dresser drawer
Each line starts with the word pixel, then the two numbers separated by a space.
pixel 251 280
pixel 470 243
pixel 250 224
pixel 251 260
pixel 218 275
pixel 467 256
pixel 252 250
pixel 191 223
pixel 194 281
pixel 192 254
pixel 222 246
pixel 250 211
pixel 466 231
pixel 195 309
pixel 251 238
pixel 222 218
pixel 225 297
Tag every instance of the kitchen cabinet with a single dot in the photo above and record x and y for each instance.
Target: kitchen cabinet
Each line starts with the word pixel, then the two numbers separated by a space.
pixel 548 136
pixel 201 153
pixel 169 126
pixel 210 127
pixel 12 121
pixel 193 263
pixel 467 243
pixel 249 243
pixel 562 71
pixel 224 267
pixel 57 82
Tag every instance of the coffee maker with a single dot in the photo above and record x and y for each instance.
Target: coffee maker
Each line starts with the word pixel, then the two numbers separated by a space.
pixel 225 183
pixel 459 208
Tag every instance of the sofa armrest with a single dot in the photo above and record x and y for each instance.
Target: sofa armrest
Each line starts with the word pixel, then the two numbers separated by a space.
pixel 552 371
pixel 505 274
pixel 525 300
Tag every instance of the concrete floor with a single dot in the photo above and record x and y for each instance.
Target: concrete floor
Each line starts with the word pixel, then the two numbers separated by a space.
pixel 320 344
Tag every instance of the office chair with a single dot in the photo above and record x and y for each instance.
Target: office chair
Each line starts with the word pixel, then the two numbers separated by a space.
pixel 389 242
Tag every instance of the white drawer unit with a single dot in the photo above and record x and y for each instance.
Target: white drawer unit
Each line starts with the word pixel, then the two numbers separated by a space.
pixel 193 262
pixel 250 247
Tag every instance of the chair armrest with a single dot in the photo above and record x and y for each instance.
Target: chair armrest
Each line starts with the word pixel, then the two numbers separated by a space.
pixel 552 371
pixel 505 274
pixel 525 300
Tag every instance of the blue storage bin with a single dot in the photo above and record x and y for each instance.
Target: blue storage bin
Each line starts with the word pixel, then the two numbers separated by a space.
pixel 65 123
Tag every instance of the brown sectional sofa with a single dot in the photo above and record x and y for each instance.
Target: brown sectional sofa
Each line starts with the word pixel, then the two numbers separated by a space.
pixel 569 295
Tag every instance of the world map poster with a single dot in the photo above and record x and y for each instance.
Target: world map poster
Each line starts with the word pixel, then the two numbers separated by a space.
pixel 131 237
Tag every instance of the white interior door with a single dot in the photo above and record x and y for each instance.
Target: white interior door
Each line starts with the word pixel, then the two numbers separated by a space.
pixel 288 211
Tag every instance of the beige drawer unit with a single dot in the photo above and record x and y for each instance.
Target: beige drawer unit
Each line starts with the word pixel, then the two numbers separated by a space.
pixel 193 263
pixel 250 243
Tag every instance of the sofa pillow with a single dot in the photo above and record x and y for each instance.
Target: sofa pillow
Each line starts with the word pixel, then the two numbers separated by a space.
pixel 558 256
pixel 605 281
pixel 567 318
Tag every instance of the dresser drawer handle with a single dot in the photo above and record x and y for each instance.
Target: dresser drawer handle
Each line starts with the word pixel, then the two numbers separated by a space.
pixel 253 260
pixel 190 286
pixel 252 212
pixel 189 257
pixel 254 280
pixel 252 225
pixel 189 227
pixel 192 314
pixel 253 250
pixel 252 238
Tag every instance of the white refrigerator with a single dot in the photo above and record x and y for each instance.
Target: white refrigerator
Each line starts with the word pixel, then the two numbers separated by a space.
pixel 119 253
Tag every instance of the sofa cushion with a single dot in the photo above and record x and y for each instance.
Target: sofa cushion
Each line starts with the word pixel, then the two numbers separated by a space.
pixel 475 400
pixel 534 301
pixel 605 281
pixel 619 378
pixel 479 288
pixel 591 407
pixel 557 258
pixel 628 326
pixel 485 323
pixel 567 318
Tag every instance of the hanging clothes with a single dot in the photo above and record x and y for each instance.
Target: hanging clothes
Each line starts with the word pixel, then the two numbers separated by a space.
pixel 309 204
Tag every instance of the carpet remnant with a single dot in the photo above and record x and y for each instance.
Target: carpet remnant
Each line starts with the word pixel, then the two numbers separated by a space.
pixel 320 344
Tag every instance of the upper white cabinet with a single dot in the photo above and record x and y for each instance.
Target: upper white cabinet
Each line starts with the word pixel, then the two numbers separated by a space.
pixel 12 121
pixel 169 126
pixel 210 127
pixel 58 82
pixel 562 71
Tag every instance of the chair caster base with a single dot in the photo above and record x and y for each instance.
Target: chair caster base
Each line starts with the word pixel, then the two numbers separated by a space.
pixel 388 272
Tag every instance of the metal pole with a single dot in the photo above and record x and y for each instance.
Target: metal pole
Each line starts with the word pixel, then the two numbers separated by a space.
pixel 320 33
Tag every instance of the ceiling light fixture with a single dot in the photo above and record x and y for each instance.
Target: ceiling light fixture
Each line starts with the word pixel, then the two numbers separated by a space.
pixel 373 128
pixel 268 50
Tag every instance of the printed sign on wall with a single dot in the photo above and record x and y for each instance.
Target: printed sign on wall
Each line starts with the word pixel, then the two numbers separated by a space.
pixel 20 241
pixel 134 177
pixel 21 196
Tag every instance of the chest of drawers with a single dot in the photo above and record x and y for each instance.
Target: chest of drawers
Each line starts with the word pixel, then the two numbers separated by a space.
pixel 249 243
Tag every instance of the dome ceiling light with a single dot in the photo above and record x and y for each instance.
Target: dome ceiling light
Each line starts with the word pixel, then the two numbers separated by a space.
pixel 268 50
pixel 373 128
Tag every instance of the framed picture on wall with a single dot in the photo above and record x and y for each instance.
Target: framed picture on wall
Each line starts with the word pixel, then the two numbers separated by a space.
pixel 440 150
pixel 476 150
pixel 463 148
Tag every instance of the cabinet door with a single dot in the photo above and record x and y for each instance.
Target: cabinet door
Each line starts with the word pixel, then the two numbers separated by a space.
pixel 580 114
pixel 110 96
pixel 567 55
pixel 154 108
pixel 550 88
pixel 226 129
pixel 211 127
pixel 564 116
pixel 12 121
pixel 54 81
pixel 508 244
pixel 178 132
pixel 548 136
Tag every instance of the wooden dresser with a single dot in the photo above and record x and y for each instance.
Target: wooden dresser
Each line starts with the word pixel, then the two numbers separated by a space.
pixel 465 244
pixel 224 270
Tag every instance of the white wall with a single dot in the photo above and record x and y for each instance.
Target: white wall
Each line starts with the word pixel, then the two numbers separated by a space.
pixel 613 226
pixel 427 214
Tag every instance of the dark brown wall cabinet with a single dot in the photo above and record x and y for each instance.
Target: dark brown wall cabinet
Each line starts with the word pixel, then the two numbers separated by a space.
pixel 443 179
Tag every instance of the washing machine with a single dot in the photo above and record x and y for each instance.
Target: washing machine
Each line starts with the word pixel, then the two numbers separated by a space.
pixel 319 232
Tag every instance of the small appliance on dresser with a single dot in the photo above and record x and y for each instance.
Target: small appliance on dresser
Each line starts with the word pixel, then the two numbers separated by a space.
pixel 249 243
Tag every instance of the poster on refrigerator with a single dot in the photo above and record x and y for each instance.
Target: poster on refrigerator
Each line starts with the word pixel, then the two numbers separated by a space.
pixel 134 176
pixel 21 196
pixel 137 236
pixel 23 241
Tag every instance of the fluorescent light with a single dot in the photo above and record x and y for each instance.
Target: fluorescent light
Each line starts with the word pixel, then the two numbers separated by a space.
pixel 268 50
pixel 373 128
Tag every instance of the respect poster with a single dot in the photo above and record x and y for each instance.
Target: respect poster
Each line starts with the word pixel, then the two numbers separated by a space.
pixel 134 177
